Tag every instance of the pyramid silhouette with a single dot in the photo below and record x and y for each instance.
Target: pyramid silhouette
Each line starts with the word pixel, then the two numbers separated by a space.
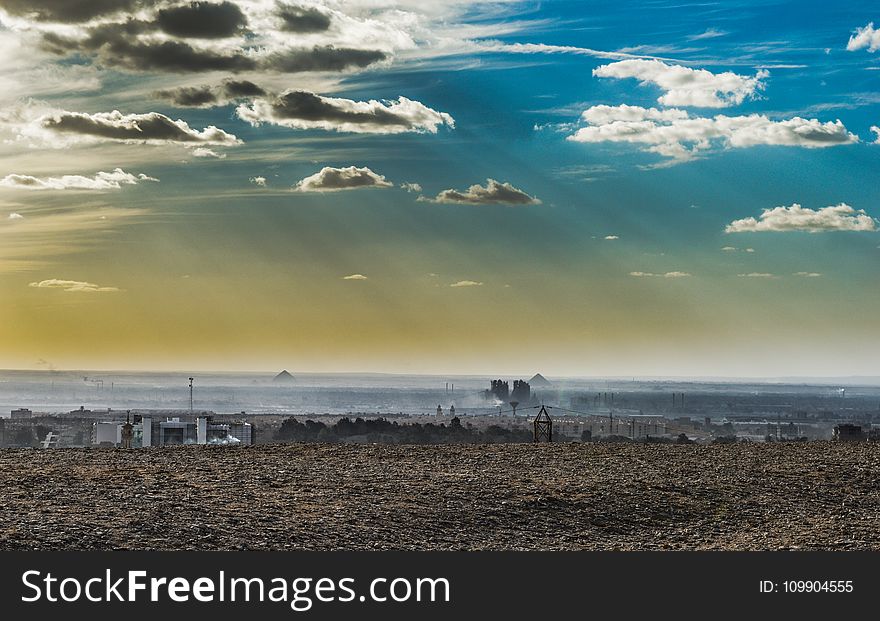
pixel 539 381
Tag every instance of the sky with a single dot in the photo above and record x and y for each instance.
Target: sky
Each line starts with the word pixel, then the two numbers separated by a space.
pixel 582 189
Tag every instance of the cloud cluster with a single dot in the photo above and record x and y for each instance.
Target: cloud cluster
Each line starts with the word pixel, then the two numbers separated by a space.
pixel 864 38
pixel 683 86
pixel 840 217
pixel 61 128
pixel 67 11
pixel 305 110
pixel 675 134
pixel 183 36
pixel 466 283
pixel 330 179
pixel 493 193
pixel 75 286
pixel 100 181
pixel 355 277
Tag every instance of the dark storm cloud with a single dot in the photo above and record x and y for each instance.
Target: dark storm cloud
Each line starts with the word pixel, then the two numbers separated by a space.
pixel 302 19
pixel 115 46
pixel 311 107
pixel 173 56
pixel 207 96
pixel 326 58
pixel 144 128
pixel 305 110
pixel 202 20
pixel 189 96
pixel 237 89
pixel 67 11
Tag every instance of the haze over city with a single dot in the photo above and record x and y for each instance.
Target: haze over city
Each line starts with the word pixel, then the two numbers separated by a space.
pixel 461 187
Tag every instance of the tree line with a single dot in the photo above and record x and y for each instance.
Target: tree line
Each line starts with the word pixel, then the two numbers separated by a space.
pixel 381 430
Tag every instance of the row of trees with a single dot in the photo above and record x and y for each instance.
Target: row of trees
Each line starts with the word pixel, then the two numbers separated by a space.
pixel 380 430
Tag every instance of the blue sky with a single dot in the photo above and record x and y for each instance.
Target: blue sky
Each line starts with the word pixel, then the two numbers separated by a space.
pixel 680 189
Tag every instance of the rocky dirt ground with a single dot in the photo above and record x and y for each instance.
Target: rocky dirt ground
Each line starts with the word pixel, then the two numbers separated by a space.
pixel 559 497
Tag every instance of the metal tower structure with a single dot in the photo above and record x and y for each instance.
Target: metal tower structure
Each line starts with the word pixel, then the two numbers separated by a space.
pixel 543 426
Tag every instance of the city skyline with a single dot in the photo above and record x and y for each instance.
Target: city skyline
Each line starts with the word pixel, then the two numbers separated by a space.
pixel 470 187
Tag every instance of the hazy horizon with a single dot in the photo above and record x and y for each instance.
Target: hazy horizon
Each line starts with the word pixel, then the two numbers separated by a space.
pixel 270 373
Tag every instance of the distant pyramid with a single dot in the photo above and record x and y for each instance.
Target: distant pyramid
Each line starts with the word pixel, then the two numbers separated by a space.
pixel 539 381
pixel 284 377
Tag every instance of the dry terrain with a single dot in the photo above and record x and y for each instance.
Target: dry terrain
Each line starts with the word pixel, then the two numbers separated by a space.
pixel 561 496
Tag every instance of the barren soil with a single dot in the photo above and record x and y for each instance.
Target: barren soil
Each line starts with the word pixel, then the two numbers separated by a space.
pixel 561 496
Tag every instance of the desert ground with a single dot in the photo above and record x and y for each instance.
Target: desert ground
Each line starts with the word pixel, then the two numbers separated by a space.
pixel 502 497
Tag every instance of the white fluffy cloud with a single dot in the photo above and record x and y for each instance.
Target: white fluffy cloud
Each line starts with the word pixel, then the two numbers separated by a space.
pixel 734 249
pixel 330 179
pixel 757 275
pixel 410 187
pixel 15 216
pixel 663 275
pixel 203 152
pixel 876 130
pixel 840 217
pixel 260 181
pixel 493 193
pixel 675 134
pixel 466 283
pixel 305 110
pixel 355 277
pixel 683 86
pixel 100 181
pixel 864 38
pixel 75 286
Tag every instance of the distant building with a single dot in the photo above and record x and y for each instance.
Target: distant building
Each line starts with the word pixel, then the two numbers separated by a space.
pixel 284 378
pixel 174 431
pixel 522 392
pixel 21 413
pixel 846 432
pixel 633 427
pixel 499 390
